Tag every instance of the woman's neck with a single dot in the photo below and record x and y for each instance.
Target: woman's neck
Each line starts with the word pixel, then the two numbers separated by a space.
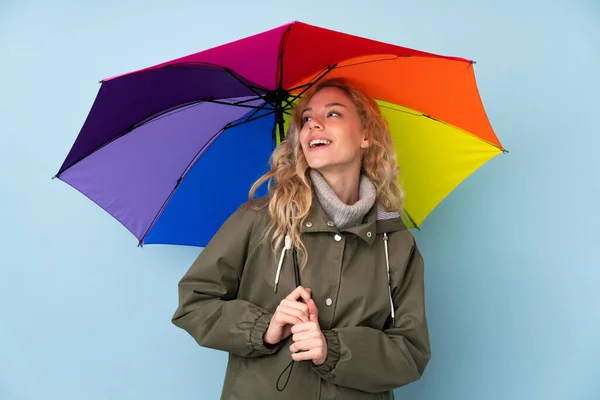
pixel 345 186
pixel 342 213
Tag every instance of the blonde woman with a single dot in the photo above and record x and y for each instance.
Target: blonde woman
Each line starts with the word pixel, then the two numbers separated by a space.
pixel 356 328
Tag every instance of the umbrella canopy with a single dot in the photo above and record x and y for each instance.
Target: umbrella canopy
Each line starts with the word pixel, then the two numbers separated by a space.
pixel 171 150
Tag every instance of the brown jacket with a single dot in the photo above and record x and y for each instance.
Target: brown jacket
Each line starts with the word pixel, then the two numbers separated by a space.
pixel 227 299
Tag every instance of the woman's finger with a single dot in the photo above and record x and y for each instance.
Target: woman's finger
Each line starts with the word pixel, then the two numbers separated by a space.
pixel 299 292
pixel 306 355
pixel 306 295
pixel 307 335
pixel 305 327
pixel 303 317
pixel 305 345
pixel 295 304
pixel 284 319
pixel 312 311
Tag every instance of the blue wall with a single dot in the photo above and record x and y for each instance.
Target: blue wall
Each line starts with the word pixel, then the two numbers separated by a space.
pixel 512 254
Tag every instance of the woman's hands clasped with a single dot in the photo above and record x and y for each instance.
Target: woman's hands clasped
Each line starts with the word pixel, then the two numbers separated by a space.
pixel 309 341
pixel 302 320
pixel 289 312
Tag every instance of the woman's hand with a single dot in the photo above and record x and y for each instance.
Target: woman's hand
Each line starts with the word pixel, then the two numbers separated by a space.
pixel 309 341
pixel 289 313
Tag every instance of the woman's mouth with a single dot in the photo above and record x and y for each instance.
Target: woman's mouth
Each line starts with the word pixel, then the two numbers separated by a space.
pixel 316 143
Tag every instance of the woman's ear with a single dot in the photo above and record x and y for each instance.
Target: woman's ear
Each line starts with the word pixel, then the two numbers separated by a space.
pixel 365 143
pixel 365 134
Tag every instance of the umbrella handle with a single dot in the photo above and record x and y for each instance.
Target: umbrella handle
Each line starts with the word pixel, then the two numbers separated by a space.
pixel 290 366
pixel 294 254
pixel 296 268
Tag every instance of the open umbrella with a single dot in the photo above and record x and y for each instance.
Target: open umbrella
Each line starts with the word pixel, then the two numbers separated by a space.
pixel 171 150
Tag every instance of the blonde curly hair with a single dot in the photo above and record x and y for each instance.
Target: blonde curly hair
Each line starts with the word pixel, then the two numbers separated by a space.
pixel 290 192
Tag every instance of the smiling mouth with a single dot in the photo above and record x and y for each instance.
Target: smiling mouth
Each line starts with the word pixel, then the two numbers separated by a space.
pixel 318 143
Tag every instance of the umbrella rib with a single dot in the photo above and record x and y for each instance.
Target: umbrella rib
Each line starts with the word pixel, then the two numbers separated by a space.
pixel 299 87
pixel 193 161
pixel 411 220
pixel 252 114
pixel 337 66
pixel 308 85
pixel 279 107
pixel 373 61
pixel 182 107
pixel 163 114
pixel 156 116
pixel 415 113
pixel 233 125
pixel 254 88
pixel 239 79
pixel 250 117
pixel 280 55
pixel 236 104
pixel 418 114
pixel 170 195
pixel 248 100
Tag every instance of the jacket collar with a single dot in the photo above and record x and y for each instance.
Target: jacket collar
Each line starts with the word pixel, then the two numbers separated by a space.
pixel 318 221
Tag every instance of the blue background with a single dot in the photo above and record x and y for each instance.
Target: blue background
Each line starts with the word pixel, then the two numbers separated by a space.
pixel 512 255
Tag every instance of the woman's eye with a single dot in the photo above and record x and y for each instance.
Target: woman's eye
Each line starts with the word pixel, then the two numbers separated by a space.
pixel 305 119
pixel 333 114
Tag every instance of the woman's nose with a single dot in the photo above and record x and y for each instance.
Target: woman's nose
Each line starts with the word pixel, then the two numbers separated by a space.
pixel 314 124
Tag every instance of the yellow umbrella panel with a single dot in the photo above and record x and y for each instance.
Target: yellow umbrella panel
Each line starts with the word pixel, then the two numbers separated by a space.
pixel 437 121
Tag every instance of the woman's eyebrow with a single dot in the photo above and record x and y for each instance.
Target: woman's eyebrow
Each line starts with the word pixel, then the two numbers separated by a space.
pixel 335 104
pixel 329 105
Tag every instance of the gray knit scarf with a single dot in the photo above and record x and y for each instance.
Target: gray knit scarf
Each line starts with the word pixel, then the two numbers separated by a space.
pixel 344 215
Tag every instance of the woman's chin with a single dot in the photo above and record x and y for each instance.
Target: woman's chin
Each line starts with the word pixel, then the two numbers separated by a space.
pixel 318 165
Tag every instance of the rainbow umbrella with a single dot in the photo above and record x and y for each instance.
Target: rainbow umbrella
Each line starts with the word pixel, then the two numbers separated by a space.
pixel 171 150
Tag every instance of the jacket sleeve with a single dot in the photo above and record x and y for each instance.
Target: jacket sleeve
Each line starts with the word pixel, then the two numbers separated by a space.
pixel 208 309
pixel 374 360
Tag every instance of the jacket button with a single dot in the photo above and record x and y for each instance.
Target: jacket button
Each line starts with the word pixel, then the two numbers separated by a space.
pixel 337 238
pixel 309 224
pixel 329 223
pixel 329 302
pixel 368 234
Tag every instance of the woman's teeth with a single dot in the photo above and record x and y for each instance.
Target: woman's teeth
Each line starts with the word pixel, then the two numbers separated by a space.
pixel 318 142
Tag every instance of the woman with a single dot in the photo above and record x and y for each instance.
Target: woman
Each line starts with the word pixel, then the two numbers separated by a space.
pixel 356 328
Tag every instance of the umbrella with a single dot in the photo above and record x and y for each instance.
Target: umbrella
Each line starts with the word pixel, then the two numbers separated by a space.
pixel 171 150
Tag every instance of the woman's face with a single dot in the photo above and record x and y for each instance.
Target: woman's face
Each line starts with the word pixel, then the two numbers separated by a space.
pixel 332 137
